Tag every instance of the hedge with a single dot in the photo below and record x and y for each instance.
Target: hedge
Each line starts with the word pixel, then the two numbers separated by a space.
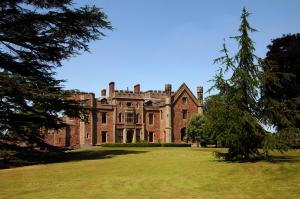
pixel 146 145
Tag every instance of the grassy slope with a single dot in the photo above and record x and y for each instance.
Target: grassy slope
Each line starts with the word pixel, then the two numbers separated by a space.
pixel 153 173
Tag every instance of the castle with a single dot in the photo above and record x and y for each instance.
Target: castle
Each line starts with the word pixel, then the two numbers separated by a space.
pixel 131 116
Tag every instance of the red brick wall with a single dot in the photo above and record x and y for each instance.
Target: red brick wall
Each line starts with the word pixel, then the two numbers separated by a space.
pixel 177 122
pixel 56 138
pixel 155 127
pixel 108 127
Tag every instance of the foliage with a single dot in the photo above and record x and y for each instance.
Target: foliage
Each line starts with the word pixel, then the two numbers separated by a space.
pixel 281 84
pixel 235 122
pixel 216 119
pixel 196 130
pixel 35 37
pixel 280 98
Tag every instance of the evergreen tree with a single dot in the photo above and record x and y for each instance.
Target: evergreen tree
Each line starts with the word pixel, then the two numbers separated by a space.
pixel 236 104
pixel 35 36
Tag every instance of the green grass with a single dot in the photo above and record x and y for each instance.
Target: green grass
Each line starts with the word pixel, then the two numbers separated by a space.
pixel 153 173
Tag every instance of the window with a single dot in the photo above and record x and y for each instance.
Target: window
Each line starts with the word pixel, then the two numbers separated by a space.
pixel 161 115
pixel 148 103
pixel 184 100
pixel 119 136
pixel 129 117
pixel 150 118
pixel 103 101
pixel 128 104
pixel 184 114
pixel 120 117
pixel 138 135
pixel 87 135
pixel 137 118
pixel 103 114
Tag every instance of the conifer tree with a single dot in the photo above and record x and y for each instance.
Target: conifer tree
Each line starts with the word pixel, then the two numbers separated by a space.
pixel 236 123
pixel 35 36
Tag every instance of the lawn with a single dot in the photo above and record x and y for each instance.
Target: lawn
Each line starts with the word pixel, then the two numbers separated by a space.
pixel 153 173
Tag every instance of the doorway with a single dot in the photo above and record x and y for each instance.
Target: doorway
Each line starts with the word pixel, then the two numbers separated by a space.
pixel 151 136
pixel 182 134
pixel 104 136
pixel 129 136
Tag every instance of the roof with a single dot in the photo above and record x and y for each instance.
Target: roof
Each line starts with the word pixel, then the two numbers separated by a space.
pixel 180 90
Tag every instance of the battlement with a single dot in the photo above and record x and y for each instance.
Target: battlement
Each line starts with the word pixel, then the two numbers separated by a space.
pixel 126 93
pixel 136 92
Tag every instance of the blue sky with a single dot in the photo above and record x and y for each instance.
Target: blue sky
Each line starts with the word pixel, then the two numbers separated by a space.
pixel 171 41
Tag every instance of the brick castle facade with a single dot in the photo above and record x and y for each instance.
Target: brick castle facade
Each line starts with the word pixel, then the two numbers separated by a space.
pixel 131 116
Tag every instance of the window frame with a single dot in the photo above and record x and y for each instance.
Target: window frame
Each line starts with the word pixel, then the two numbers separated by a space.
pixel 151 119
pixel 104 117
pixel 185 114
pixel 129 120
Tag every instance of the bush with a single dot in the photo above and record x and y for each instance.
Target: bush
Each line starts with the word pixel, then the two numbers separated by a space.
pixel 143 144
pixel 175 145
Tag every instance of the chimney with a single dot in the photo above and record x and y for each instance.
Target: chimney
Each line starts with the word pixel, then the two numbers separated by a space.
pixel 111 88
pixel 200 94
pixel 137 88
pixel 103 92
pixel 168 89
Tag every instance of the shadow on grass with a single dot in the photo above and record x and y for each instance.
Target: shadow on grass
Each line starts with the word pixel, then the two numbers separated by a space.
pixel 17 159
pixel 283 158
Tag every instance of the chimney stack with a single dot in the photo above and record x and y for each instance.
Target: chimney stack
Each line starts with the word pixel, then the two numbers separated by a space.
pixel 103 92
pixel 168 89
pixel 137 88
pixel 111 88
pixel 200 94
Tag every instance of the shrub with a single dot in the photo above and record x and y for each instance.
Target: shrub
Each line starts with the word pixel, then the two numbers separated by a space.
pixel 142 144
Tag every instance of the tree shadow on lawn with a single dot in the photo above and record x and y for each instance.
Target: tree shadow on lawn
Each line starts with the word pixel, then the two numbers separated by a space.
pixel 32 158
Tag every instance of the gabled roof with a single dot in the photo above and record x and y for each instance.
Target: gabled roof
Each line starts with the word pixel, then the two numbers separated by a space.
pixel 180 90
